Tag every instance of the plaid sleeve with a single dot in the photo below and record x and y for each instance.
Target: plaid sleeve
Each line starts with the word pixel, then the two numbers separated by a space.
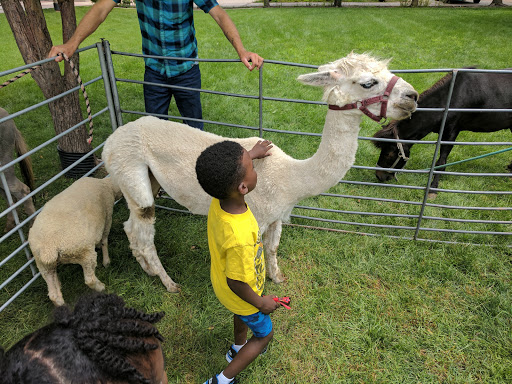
pixel 205 5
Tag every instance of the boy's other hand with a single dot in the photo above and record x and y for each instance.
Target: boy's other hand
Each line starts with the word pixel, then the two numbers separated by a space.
pixel 260 149
pixel 268 304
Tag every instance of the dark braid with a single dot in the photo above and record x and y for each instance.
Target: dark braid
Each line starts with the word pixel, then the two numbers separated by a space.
pixel 106 331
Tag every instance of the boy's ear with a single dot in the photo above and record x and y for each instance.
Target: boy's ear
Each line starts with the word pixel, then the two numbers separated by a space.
pixel 242 188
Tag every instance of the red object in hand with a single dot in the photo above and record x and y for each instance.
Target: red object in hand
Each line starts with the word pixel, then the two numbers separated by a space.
pixel 284 301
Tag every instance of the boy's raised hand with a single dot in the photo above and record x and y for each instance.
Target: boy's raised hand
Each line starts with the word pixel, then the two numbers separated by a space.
pixel 260 149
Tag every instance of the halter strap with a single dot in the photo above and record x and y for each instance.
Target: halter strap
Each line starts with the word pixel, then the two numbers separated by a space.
pixel 363 104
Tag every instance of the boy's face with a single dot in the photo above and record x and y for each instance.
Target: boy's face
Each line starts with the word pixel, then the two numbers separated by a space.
pixel 251 177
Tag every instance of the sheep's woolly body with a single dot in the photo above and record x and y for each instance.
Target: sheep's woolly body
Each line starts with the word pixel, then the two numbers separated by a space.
pixel 149 152
pixel 69 227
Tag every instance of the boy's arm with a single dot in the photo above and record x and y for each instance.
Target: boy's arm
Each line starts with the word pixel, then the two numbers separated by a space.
pixel 260 149
pixel 265 304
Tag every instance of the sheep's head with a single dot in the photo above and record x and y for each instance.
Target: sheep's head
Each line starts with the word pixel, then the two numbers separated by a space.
pixel 358 77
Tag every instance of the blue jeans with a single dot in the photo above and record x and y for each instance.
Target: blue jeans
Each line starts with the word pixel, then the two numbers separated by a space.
pixel 157 99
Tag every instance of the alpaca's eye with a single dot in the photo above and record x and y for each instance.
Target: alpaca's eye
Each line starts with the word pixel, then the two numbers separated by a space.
pixel 369 84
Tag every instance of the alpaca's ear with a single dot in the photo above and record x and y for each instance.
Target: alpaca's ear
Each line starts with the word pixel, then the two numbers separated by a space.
pixel 320 78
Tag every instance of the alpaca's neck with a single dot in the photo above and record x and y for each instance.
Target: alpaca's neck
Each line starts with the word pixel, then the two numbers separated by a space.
pixel 335 155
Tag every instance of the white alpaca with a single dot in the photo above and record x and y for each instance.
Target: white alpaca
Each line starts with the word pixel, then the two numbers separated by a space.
pixel 149 152
pixel 69 227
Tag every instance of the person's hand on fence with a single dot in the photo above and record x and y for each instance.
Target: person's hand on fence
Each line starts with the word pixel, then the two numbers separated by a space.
pixel 251 60
pixel 68 49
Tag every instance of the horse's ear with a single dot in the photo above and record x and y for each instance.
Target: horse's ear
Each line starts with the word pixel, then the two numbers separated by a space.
pixel 321 78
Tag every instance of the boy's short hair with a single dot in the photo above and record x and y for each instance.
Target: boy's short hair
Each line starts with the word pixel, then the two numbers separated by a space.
pixel 219 168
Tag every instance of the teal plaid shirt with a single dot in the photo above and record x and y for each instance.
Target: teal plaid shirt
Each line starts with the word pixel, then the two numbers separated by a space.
pixel 167 28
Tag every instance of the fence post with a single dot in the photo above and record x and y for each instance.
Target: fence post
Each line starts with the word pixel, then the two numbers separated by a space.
pixel 260 97
pixel 436 152
pixel 106 84
pixel 112 79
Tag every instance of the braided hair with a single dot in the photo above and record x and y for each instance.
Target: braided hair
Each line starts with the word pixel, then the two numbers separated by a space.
pixel 92 343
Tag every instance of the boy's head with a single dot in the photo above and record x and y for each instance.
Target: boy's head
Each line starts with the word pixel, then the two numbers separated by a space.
pixel 220 168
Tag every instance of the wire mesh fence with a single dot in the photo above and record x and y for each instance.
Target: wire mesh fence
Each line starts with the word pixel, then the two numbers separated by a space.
pixel 473 203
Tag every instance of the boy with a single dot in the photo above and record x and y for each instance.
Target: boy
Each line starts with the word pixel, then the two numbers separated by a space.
pixel 226 173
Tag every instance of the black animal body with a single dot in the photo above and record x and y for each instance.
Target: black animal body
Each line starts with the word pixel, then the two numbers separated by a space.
pixel 476 90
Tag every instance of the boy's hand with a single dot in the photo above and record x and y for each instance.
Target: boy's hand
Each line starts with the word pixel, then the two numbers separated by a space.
pixel 260 149
pixel 268 304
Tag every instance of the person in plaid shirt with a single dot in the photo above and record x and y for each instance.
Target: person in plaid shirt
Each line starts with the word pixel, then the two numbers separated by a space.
pixel 167 29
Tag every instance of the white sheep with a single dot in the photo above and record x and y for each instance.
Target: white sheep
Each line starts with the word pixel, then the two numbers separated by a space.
pixel 69 227
pixel 148 153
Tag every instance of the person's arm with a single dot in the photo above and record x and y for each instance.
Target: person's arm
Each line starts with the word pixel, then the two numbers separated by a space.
pixel 89 23
pixel 250 59
pixel 265 304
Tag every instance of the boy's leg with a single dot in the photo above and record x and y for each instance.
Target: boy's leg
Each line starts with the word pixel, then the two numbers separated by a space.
pixel 240 330
pixel 247 355
pixel 261 327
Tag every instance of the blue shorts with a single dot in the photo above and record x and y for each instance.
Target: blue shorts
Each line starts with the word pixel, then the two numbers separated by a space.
pixel 259 323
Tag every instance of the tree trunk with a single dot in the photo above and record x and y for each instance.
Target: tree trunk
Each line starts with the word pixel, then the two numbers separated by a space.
pixel 497 3
pixel 337 3
pixel 414 3
pixel 34 42
pixel 266 3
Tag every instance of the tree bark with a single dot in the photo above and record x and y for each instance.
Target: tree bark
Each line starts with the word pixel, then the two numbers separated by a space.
pixel 337 3
pixel 30 31
pixel 497 3
pixel 414 3
pixel 266 3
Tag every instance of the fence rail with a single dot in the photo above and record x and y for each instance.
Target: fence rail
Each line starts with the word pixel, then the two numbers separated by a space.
pixel 353 206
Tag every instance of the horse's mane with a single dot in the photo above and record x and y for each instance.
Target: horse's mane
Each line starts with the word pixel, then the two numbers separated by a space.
pixel 101 328
pixel 387 131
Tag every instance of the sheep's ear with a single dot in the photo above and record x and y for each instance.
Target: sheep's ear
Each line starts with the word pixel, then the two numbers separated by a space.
pixel 321 78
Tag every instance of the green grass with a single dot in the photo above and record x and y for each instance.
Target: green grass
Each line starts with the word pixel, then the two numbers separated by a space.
pixel 365 309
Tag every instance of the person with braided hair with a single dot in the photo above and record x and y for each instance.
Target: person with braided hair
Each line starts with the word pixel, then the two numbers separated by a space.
pixel 100 341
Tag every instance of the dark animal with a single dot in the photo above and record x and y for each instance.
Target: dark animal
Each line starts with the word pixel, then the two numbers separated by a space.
pixel 471 90
pixel 100 341
pixel 11 140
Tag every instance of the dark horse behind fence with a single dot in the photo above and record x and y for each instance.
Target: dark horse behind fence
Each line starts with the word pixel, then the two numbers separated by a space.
pixel 476 90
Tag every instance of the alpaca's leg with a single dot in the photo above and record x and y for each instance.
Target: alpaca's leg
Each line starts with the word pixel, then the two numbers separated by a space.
pixel 271 239
pixel 140 230
pixel 88 263
pixel 49 274
pixel 155 186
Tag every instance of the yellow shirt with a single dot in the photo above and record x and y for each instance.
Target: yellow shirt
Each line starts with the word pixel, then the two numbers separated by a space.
pixel 236 252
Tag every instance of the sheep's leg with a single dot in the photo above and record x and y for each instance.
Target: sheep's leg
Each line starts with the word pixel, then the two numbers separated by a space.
pixel 104 250
pixel 140 230
pixel 104 240
pixel 49 274
pixel 89 265
pixel 271 240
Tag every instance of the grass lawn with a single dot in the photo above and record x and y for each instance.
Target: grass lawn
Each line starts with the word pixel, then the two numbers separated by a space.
pixel 364 309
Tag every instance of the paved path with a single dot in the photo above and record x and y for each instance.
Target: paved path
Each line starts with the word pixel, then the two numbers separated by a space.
pixel 46 4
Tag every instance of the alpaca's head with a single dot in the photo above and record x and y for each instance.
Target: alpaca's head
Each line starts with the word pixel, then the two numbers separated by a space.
pixel 358 77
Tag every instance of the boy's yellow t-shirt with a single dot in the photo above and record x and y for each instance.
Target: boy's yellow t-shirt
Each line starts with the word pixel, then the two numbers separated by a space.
pixel 236 252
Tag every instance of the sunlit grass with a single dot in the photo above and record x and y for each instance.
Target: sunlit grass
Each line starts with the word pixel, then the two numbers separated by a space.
pixel 365 309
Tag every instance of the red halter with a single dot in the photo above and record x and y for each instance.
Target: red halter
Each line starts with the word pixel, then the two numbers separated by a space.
pixel 362 105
